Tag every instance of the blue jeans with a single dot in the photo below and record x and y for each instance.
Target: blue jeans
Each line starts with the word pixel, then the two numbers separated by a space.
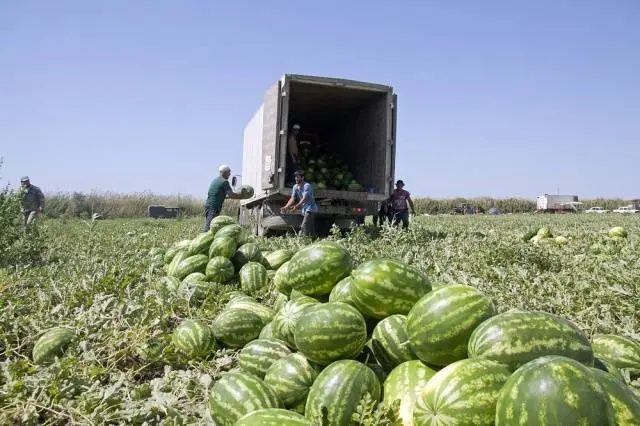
pixel 401 215
pixel 209 214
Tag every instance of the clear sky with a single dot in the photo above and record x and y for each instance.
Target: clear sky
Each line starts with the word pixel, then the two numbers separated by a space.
pixel 500 98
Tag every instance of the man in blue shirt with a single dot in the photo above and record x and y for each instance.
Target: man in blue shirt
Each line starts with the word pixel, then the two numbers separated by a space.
pixel 302 198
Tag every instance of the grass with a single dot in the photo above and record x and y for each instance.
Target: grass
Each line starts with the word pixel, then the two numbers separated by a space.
pixel 98 279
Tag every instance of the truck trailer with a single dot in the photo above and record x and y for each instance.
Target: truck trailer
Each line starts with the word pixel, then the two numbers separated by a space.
pixel 353 120
pixel 549 203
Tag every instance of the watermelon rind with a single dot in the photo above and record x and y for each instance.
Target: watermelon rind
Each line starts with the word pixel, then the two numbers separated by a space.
pixel 194 338
pixel 626 404
pixel 404 384
pixel 224 247
pixel 341 292
pixel 249 252
pixel 258 355
pixel 236 327
pixel 273 417
pixel 52 343
pixel 621 351
pixel 390 342
pixel 277 258
pixel 219 222
pixel 253 277
pixel 265 313
pixel 291 378
pixel 219 269
pixel 284 321
pixel 195 263
pixel 200 244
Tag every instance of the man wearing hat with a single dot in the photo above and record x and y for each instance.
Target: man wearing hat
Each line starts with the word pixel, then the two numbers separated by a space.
pixel 398 201
pixel 302 198
pixel 219 190
pixel 33 201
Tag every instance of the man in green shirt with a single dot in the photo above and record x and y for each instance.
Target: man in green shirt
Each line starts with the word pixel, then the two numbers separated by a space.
pixel 219 190
pixel 32 202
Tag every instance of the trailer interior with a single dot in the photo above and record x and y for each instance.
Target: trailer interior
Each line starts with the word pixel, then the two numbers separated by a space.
pixel 351 122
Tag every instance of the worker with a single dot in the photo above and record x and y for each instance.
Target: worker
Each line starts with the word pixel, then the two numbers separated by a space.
pixel 219 190
pixel 293 149
pixel 398 201
pixel 32 202
pixel 382 213
pixel 302 198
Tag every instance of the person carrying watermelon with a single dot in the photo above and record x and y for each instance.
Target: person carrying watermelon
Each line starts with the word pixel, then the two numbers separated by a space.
pixel 219 190
pixel 302 198
pixel 398 201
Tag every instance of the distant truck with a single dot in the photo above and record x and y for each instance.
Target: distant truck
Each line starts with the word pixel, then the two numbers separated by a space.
pixel 161 212
pixel 548 203
pixel 354 121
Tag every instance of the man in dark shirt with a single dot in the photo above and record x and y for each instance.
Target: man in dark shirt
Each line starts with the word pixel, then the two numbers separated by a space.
pixel 219 190
pixel 398 201
pixel 32 202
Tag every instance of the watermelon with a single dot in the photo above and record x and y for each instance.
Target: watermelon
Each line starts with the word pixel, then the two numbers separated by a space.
pixel 249 252
pixel 285 319
pixel 237 394
pixel 232 231
pixel 264 312
pixel 279 301
pixel 50 344
pixel 170 283
pixel 246 191
pixel 316 268
pixel 553 389
pixel 404 383
pixel 235 295
pixel 620 351
pixel 338 389
pixel 195 263
pixel 236 327
pixel 219 269
pixel 441 322
pixel 291 377
pixel 224 247
pixel 342 291
pixel 266 332
pixel 626 404
pixel 390 342
pixel 279 279
pixel 177 259
pixel 258 355
pixel 277 258
pixel 194 276
pixel 200 244
pixel 517 337
pixel 617 232
pixel 273 417
pixel 219 222
pixel 199 290
pixel 253 277
pixel 608 367
pixel 383 287
pixel 327 332
pixel 466 390
pixel 194 338
pixel 182 245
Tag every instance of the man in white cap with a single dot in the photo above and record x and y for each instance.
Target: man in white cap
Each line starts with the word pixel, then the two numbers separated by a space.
pixel 33 201
pixel 293 150
pixel 219 190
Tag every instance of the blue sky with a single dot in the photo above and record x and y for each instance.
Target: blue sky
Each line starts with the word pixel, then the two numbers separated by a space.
pixel 498 98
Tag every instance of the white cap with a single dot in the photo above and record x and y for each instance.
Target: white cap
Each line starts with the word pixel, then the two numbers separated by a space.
pixel 224 168
pixel 296 126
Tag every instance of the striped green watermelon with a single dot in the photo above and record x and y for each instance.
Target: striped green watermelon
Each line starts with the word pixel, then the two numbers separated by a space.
pixel 291 377
pixel 295 294
pixel 279 301
pixel 265 313
pixel 233 231
pixel 170 283
pixel 285 319
pixel 553 389
pixel 220 222
pixel 441 322
pixel 383 287
pixel 608 367
pixel 200 244
pixel 235 294
pixel 224 247
pixel 390 342
pixel 236 327
pixel 273 417
pixel 52 343
pixel 266 332
pixel 195 263
pixel 194 276
pixel 199 290
pixel 277 258
pixel 194 338
pixel 279 279
pixel 327 332
pixel 338 389
pixel 316 268
pixel 253 277
pixel 621 351
pixel 342 291
pixel 517 337
pixel 178 246
pixel 626 404
pixel 404 383
pixel 249 252
pixel 219 269
pixel 237 394
pixel 466 391
pixel 258 355
pixel 177 259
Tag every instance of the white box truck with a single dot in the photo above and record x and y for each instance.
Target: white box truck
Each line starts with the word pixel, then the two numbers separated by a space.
pixel 353 120
pixel 548 203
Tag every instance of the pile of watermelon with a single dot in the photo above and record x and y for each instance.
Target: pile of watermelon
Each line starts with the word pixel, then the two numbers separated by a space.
pixel 326 170
pixel 337 333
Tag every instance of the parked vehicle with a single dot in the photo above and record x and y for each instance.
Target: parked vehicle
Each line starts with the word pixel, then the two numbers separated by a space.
pixel 548 203
pixel 599 210
pixel 627 209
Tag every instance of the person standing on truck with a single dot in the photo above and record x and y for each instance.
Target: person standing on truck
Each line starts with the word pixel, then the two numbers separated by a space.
pixel 219 190
pixel 398 201
pixel 293 150
pixel 32 201
pixel 302 197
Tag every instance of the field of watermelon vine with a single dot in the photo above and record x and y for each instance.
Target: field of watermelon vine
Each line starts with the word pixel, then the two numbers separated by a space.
pixel 98 279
